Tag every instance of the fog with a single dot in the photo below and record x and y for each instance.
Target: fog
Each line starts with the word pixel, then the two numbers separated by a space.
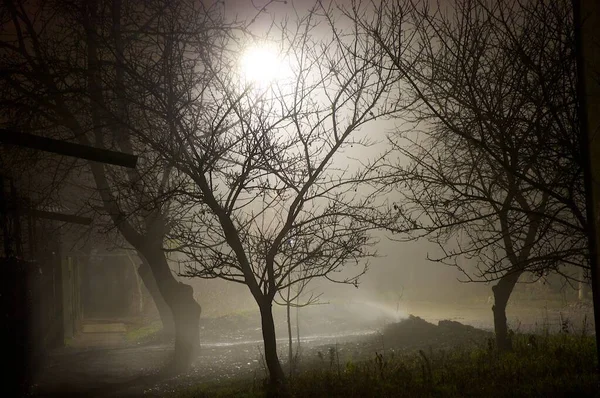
pixel 118 350
pixel 205 236
pixel 402 273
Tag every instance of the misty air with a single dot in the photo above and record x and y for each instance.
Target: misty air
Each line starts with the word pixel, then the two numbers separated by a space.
pixel 326 198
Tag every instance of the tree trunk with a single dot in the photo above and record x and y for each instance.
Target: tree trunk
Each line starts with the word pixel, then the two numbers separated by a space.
pixel 165 313
pixel 290 347
pixel 186 311
pixel 502 291
pixel 139 282
pixel 277 382
pixel 582 288
pixel 297 329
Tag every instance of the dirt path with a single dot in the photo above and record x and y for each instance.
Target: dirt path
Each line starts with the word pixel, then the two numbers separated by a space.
pixel 136 370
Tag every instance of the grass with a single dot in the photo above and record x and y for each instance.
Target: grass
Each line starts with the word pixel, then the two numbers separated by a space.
pixel 144 333
pixel 539 365
pixel 238 389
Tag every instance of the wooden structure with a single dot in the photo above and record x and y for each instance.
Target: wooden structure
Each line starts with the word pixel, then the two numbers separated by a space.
pixel 14 137
pixel 587 36
pixel 40 299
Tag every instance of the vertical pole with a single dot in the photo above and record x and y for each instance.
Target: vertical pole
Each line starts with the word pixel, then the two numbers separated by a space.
pixel 587 40
pixel 16 222
pixel 4 220
pixel 581 285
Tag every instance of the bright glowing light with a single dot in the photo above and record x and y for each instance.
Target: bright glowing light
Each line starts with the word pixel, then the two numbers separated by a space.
pixel 262 65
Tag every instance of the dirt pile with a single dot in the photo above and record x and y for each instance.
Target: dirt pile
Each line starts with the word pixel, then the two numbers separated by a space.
pixel 416 333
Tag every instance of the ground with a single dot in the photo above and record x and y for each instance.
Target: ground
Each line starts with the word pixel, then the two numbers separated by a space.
pixel 101 362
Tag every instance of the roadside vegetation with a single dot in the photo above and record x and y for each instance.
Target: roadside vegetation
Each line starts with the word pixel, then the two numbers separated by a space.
pixel 544 364
pixel 552 365
pixel 144 333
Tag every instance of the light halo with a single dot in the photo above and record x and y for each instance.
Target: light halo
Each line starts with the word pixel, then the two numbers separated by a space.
pixel 261 65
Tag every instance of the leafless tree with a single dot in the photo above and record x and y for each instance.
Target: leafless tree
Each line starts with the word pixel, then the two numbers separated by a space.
pixel 493 163
pixel 272 197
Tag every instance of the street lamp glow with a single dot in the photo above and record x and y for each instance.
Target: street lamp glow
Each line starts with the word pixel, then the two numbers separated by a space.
pixel 261 65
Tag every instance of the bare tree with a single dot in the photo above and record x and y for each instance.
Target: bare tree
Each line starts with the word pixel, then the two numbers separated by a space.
pixel 272 197
pixel 496 167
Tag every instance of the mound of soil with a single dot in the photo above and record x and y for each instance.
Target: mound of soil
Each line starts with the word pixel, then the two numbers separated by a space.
pixel 415 333
pixel 405 337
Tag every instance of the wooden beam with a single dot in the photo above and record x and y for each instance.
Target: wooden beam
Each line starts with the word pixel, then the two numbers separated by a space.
pixel 26 140
pixel 70 218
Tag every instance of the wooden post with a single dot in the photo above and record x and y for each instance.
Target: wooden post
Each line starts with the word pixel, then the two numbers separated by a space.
pixel 587 39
